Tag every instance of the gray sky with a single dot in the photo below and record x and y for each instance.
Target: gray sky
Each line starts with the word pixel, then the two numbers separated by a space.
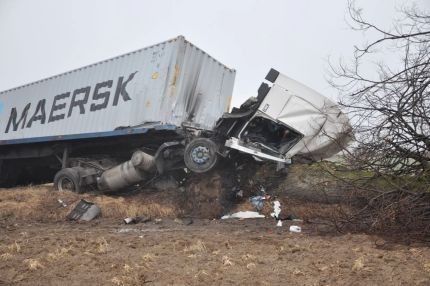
pixel 42 38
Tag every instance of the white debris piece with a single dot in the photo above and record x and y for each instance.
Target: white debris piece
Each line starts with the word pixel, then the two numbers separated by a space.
pixel 62 203
pixel 276 209
pixel 276 212
pixel 245 214
pixel 295 228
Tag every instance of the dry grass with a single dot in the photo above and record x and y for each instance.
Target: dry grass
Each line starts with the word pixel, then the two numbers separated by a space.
pixel 197 247
pixel 6 256
pixel 33 264
pixel 358 264
pixel 14 247
pixel 148 258
pixel 40 203
pixel 426 267
pixel 226 261
pixel 132 276
pixel 103 246
pixel 58 253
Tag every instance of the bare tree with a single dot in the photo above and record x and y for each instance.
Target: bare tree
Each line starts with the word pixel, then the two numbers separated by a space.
pixel 389 107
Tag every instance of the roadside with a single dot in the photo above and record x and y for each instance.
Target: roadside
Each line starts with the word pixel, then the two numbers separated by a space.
pixel 252 252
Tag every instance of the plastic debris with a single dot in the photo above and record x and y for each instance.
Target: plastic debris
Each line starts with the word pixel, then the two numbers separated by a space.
pixel 85 211
pixel 137 219
pixel 258 201
pixel 245 214
pixel 295 228
pixel 276 212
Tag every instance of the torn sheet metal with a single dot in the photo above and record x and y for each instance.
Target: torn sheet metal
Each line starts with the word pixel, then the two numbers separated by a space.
pixel 85 211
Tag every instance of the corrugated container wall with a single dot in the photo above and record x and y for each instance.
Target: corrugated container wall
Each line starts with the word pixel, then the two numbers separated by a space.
pixel 168 83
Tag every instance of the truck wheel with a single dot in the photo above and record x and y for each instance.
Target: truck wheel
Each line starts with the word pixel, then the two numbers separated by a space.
pixel 67 180
pixel 200 155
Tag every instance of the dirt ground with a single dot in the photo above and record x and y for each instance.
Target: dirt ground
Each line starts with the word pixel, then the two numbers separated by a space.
pixel 185 242
pixel 214 252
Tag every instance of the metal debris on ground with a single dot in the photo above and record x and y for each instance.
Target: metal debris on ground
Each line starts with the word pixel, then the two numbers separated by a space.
pixel 85 211
pixel 245 214
pixel 137 219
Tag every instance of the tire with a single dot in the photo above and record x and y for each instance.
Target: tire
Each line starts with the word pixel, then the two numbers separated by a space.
pixel 68 179
pixel 201 155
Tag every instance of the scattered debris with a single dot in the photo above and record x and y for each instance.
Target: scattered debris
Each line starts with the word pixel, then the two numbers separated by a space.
pixel 276 212
pixel 62 203
pixel 239 194
pixel 85 211
pixel 258 201
pixel 245 214
pixel 295 228
pixel 137 219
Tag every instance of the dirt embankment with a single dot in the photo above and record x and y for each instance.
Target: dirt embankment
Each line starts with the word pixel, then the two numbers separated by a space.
pixel 209 196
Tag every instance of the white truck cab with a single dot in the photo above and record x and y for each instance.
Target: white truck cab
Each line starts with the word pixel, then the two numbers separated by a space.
pixel 286 119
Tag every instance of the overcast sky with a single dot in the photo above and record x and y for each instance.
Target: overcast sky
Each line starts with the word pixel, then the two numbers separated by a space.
pixel 41 38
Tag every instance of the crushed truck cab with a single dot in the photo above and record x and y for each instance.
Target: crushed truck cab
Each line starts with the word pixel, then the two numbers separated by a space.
pixel 286 119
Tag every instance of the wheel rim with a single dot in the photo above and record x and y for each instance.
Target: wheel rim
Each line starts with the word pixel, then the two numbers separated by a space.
pixel 65 184
pixel 200 155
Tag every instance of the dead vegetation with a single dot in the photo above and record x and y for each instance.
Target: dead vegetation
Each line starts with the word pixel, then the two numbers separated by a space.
pixel 40 203
pixel 388 104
